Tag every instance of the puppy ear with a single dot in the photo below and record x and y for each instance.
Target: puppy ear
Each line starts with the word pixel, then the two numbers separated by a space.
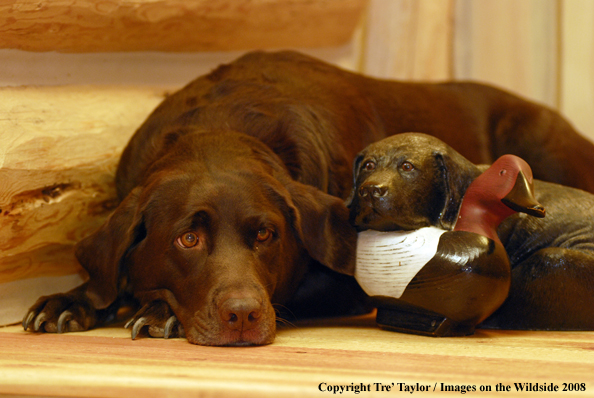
pixel 454 175
pixel 356 166
pixel 322 222
pixel 101 253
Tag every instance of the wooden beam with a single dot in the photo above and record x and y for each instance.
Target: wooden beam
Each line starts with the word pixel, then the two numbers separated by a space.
pixel 175 25
pixel 60 148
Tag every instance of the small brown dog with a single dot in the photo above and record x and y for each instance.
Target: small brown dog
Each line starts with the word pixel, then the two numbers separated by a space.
pixel 230 193
pixel 411 181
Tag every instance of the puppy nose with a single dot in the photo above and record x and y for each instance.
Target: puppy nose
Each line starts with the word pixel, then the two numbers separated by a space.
pixel 373 190
pixel 240 313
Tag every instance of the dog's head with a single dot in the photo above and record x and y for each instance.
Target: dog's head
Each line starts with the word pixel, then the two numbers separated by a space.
pixel 219 231
pixel 408 181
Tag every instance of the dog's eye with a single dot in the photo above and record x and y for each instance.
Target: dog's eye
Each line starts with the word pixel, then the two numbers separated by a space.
pixel 187 240
pixel 264 234
pixel 369 166
pixel 407 166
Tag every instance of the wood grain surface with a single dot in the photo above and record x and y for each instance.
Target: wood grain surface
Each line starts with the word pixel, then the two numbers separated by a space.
pixel 58 153
pixel 175 25
pixel 304 361
pixel 60 148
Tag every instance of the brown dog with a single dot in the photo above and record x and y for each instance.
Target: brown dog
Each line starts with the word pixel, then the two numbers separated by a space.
pixel 230 193
pixel 411 181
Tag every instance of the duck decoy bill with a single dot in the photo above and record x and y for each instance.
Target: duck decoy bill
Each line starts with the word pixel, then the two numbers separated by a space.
pixel 521 198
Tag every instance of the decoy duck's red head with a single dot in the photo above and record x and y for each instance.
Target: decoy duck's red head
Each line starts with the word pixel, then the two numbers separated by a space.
pixel 408 181
pixel 509 182
pixel 502 190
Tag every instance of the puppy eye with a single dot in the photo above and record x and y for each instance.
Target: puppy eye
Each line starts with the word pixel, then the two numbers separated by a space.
pixel 407 166
pixel 187 240
pixel 369 166
pixel 264 234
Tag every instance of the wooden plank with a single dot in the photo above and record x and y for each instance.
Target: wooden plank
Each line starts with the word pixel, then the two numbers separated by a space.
pixel 303 361
pixel 577 64
pixel 509 43
pixel 60 149
pixel 409 39
pixel 175 25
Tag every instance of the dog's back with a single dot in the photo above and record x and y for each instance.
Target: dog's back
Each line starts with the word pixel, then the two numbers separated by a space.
pixel 316 117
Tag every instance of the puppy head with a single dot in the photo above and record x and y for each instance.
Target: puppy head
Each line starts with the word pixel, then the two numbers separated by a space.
pixel 408 181
pixel 220 232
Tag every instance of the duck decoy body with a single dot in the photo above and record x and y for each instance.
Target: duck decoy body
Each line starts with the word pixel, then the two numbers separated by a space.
pixel 443 283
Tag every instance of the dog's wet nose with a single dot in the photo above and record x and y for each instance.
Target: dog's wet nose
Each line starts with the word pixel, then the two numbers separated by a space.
pixel 241 313
pixel 369 190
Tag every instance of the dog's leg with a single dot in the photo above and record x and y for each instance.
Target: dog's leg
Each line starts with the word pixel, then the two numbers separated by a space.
pixel 552 289
pixel 67 312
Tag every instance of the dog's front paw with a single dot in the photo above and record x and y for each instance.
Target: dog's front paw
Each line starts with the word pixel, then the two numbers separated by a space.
pixel 158 318
pixel 60 313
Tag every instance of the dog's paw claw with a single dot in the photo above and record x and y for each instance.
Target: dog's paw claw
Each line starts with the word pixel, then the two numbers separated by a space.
pixel 129 323
pixel 67 323
pixel 169 325
pixel 28 319
pixel 138 324
pixel 39 321
pixel 62 321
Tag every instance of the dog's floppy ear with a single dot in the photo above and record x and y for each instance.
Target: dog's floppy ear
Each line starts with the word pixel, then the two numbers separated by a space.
pixel 101 253
pixel 322 222
pixel 356 166
pixel 454 175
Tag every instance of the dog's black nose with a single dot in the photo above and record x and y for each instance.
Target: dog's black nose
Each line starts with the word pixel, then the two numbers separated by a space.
pixel 372 190
pixel 241 313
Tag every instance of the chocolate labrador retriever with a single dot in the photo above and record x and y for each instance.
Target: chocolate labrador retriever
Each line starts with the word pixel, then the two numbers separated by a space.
pixel 410 181
pixel 231 193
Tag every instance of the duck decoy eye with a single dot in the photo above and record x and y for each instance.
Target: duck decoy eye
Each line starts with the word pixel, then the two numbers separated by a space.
pixel 369 165
pixel 407 166
pixel 502 172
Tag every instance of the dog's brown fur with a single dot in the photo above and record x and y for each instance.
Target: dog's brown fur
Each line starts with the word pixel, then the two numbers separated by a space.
pixel 262 148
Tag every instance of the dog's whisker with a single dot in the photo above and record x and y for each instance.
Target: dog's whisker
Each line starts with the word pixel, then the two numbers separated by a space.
pixel 286 323
pixel 278 308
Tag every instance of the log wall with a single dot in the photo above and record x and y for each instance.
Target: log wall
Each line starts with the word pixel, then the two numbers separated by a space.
pixel 175 25
pixel 59 150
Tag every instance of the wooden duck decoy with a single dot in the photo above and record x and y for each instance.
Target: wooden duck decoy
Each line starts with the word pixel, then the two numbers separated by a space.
pixel 443 283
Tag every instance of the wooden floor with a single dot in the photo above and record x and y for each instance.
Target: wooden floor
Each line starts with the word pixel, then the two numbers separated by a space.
pixel 308 360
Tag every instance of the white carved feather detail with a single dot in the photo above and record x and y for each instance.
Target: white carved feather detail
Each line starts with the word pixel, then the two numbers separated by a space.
pixel 388 261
